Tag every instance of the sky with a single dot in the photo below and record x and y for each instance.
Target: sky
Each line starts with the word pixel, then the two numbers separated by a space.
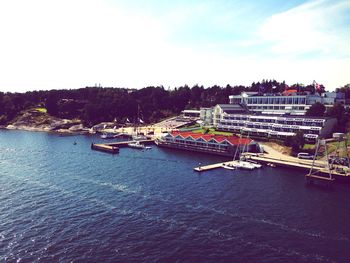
pixel 67 44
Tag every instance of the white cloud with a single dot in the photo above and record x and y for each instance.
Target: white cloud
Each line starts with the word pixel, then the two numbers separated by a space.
pixel 313 27
pixel 70 44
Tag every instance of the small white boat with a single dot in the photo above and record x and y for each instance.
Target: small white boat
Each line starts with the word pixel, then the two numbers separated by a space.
pixel 243 165
pixel 256 165
pixel 138 145
pixel 108 135
pixel 228 167
pixel 139 137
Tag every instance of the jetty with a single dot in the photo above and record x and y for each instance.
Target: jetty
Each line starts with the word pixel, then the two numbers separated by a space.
pixel 113 147
pixel 204 168
pixel 104 148
pixel 280 160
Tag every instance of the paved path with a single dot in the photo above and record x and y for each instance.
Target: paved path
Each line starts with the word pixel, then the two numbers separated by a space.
pixel 274 154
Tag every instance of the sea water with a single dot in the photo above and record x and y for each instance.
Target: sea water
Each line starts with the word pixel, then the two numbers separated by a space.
pixel 63 202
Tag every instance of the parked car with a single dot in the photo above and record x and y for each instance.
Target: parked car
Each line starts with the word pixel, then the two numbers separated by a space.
pixel 305 156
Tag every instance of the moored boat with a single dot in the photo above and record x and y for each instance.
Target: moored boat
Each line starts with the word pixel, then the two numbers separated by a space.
pixel 138 145
pixel 108 135
pixel 229 167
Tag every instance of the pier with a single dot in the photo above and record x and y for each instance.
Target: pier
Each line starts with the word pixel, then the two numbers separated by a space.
pixel 113 147
pixel 125 143
pixel 210 167
pixel 104 148
pixel 290 162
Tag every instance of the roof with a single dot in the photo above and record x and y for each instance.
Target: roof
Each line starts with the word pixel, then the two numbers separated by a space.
pixel 289 92
pixel 234 140
pixel 191 111
pixel 231 108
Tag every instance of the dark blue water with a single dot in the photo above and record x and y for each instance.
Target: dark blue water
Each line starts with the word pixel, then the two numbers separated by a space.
pixel 61 202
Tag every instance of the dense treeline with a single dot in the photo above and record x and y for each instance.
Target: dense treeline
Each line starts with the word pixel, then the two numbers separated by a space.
pixel 95 104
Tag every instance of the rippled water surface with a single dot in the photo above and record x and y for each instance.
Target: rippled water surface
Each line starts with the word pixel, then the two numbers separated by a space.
pixel 61 202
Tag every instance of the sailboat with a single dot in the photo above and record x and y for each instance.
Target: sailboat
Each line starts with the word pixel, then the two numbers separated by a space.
pixel 241 163
pixel 137 136
pixel 229 166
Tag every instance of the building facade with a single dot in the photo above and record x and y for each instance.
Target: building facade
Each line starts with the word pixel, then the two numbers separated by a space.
pixel 274 126
pixel 293 103
pixel 234 118
pixel 207 143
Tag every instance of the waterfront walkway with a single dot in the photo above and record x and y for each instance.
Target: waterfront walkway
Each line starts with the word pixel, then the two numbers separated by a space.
pixel 272 156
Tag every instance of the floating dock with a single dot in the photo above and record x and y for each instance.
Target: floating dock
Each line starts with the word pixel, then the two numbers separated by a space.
pixel 320 167
pixel 113 147
pixel 287 161
pixel 104 148
pixel 125 143
pixel 210 167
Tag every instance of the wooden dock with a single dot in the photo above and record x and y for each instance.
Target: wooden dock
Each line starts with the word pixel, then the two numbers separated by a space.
pixel 310 177
pixel 204 168
pixel 320 167
pixel 113 147
pixel 286 161
pixel 104 148
pixel 125 143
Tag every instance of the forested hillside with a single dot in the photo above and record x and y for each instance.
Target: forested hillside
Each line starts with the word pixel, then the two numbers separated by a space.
pixel 94 104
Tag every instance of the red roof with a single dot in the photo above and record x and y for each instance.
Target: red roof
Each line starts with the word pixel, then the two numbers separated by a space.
pixel 234 140
pixel 289 92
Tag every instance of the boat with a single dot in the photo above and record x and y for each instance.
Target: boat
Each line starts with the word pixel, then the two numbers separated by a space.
pixel 238 165
pixel 138 137
pixel 245 165
pixel 253 163
pixel 228 166
pixel 138 145
pixel 108 135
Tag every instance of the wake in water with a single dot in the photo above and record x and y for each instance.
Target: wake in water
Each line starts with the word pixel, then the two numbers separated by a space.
pixel 200 208
pixel 179 225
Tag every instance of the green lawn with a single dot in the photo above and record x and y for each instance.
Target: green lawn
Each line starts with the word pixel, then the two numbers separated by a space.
pixel 42 110
pixel 308 146
pixel 213 131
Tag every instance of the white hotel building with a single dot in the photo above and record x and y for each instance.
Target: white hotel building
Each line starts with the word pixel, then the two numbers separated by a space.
pixel 272 116
pixel 293 104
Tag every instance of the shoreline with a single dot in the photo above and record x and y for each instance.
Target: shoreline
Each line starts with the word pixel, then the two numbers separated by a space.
pixel 47 130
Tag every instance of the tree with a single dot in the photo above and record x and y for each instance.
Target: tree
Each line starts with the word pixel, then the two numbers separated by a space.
pixel 51 103
pixel 296 142
pixel 316 110
pixel 338 112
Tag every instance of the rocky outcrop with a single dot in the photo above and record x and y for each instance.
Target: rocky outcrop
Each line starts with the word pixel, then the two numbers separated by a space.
pixel 39 121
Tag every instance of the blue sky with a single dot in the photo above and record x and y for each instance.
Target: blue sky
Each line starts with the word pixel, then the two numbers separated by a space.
pixel 49 44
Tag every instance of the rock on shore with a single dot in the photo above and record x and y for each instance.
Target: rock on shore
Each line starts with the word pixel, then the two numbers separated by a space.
pixel 33 120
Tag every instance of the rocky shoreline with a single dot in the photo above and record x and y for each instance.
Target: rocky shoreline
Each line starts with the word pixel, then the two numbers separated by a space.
pixel 33 120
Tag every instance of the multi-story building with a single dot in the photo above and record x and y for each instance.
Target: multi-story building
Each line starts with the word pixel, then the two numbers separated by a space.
pixel 206 116
pixel 289 102
pixel 235 118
